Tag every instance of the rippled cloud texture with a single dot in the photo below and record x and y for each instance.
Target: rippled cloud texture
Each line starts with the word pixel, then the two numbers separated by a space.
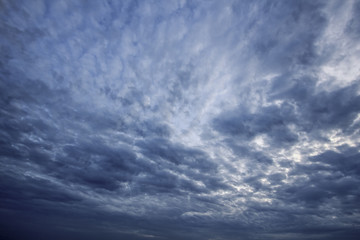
pixel 179 120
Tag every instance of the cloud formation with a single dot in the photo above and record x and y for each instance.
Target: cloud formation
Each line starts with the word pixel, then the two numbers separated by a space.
pixel 179 119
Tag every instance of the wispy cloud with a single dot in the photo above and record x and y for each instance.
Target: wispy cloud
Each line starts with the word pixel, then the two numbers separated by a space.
pixel 179 119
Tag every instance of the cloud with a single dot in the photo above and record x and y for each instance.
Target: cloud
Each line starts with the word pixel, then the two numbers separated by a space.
pixel 179 119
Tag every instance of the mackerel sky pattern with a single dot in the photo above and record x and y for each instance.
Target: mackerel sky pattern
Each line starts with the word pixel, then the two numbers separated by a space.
pixel 203 120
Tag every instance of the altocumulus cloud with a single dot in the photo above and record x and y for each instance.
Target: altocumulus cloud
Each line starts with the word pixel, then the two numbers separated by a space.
pixel 179 119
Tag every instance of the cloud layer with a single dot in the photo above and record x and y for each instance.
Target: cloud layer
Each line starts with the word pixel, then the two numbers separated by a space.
pixel 179 119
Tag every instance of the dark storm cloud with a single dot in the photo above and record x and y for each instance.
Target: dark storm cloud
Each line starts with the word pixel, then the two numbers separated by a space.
pixel 353 27
pixel 327 178
pixel 290 41
pixel 194 164
pixel 345 161
pixel 176 154
pixel 319 110
pixel 179 120
pixel 29 189
pixel 302 107
pixel 270 120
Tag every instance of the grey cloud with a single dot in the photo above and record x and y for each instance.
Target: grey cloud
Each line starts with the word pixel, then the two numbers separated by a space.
pixel 302 107
pixel 323 110
pixel 32 189
pixel 270 120
pixel 346 161
pixel 178 120
pixel 176 154
pixel 352 27
pixel 330 175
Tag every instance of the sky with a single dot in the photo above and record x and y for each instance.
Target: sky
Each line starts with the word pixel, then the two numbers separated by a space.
pixel 155 120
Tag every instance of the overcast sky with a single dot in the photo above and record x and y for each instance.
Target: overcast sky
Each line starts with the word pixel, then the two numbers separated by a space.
pixel 203 120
